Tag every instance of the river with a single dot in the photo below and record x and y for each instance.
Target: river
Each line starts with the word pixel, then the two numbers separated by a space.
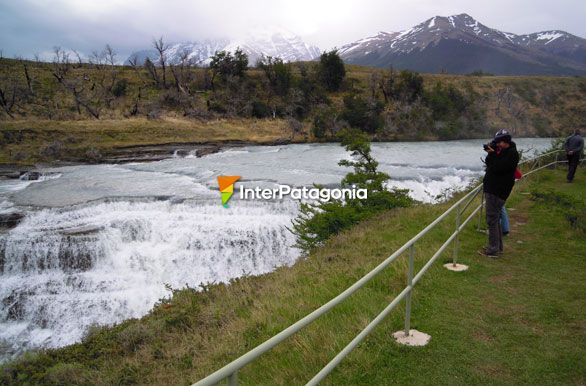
pixel 101 243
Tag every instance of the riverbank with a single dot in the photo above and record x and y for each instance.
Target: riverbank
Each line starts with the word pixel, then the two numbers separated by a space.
pixel 497 322
pixel 27 142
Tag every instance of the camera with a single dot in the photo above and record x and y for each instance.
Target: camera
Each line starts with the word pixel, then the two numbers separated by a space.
pixel 492 144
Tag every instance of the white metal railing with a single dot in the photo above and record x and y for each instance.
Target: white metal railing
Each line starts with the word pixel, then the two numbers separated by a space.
pixel 230 371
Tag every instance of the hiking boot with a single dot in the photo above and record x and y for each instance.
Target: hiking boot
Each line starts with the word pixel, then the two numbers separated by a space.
pixel 487 253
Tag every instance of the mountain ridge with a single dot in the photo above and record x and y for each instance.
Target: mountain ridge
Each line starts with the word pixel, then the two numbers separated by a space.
pixel 432 45
pixel 275 42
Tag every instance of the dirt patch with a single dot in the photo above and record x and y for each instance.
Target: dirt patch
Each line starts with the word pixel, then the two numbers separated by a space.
pixel 482 336
pixel 494 371
pixel 502 278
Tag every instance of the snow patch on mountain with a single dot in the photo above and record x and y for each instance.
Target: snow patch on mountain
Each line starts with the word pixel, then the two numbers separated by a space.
pixel 275 42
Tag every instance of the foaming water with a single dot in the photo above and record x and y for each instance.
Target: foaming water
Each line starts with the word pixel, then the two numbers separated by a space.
pixel 64 270
pixel 99 243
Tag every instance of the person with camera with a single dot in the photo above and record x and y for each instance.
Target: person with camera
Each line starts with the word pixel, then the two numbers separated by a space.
pixel 501 162
pixel 573 146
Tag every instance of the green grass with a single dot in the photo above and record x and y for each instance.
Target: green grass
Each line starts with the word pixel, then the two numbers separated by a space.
pixel 515 320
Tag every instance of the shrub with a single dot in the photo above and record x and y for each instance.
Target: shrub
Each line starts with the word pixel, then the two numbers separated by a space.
pixel 408 87
pixel 363 114
pixel 445 101
pixel 261 110
pixel 319 221
pixel 225 64
pixel 120 88
pixel 52 150
pixel 93 155
pixel 278 74
pixel 295 126
pixel 331 70
pixel 411 120
pixel 326 122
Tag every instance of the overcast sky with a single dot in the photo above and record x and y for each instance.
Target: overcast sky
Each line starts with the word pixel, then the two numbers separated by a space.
pixel 36 26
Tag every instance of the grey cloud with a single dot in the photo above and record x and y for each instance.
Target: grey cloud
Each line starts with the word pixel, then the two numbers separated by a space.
pixel 31 26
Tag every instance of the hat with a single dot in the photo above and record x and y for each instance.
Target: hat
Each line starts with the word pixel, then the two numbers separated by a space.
pixel 502 135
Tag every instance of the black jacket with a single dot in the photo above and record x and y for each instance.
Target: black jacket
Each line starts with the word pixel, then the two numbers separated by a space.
pixel 500 172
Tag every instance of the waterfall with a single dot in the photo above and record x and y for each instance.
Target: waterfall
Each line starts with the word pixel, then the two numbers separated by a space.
pixel 63 270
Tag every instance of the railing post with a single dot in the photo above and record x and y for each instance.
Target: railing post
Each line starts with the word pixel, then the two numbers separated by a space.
pixel 457 239
pixel 410 284
pixel 233 379
pixel 454 266
pixel 481 210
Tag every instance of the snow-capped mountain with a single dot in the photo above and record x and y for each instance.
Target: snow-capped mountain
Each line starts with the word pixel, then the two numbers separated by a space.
pixel 275 42
pixel 197 52
pixel 556 42
pixel 461 44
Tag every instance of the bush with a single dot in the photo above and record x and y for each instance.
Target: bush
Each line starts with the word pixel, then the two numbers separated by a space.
pixel 226 65
pixel 331 70
pixel 120 88
pixel 93 155
pixel 295 126
pixel 318 222
pixel 480 73
pixel 408 87
pixel 363 114
pixel 445 101
pixel 326 122
pixel 278 74
pixel 412 120
pixel 52 150
pixel 261 110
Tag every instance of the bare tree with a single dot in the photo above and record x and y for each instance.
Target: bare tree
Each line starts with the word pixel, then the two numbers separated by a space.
pixel 77 87
pixel 79 59
pixel 110 55
pixel 27 76
pixel 162 49
pixel 387 83
pixel 179 72
pixel 133 61
pixel 8 101
pixel 374 83
pixel 110 59
pixel 152 70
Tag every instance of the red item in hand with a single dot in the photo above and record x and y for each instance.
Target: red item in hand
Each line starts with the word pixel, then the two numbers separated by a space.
pixel 518 174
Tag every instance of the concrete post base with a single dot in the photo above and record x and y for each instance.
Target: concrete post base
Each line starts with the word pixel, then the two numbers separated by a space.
pixel 415 338
pixel 456 267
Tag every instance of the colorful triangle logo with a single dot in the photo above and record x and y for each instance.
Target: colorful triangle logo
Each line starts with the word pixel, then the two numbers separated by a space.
pixel 226 184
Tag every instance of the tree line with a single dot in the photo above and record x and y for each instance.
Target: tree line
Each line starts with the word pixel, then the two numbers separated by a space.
pixel 317 98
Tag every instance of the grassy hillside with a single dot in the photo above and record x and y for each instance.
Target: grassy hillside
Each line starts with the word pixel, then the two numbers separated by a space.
pixel 515 320
pixel 86 110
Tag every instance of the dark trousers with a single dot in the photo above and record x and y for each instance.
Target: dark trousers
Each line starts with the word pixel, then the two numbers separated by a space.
pixel 573 161
pixel 494 205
